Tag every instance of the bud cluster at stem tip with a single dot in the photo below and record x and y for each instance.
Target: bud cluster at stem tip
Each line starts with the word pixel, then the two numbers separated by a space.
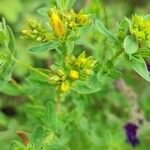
pixel 36 31
pixel 140 28
pixel 75 68
pixel 81 66
pixel 63 22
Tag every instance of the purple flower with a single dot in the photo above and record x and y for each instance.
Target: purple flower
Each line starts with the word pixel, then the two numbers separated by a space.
pixel 131 133
pixel 148 67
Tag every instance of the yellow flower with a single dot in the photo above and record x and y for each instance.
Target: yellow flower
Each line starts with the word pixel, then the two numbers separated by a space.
pixel 140 28
pixel 65 87
pixel 82 18
pixel 74 75
pixel 56 23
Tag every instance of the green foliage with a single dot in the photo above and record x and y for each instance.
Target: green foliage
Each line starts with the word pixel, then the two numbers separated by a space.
pixel 77 90
pixel 101 28
pixel 130 45
pixel 139 65
pixel 44 46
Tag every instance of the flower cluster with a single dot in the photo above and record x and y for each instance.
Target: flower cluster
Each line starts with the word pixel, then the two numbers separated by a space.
pixel 36 31
pixel 76 68
pixel 140 28
pixel 63 22
pixel 81 64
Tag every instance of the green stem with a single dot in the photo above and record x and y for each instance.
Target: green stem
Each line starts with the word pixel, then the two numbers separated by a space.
pixel 58 102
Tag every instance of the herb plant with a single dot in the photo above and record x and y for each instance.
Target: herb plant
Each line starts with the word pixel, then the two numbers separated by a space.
pixel 54 112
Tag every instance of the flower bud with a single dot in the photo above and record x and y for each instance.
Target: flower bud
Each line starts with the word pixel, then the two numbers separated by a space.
pixel 140 28
pixel 82 18
pixel 39 38
pixel 36 31
pixel 54 79
pixel 26 32
pixel 60 72
pixel 74 75
pixel 88 72
pixel 33 23
pixel 65 87
pixel 56 23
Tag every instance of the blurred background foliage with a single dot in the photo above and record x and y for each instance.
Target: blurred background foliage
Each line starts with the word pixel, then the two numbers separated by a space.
pixel 94 121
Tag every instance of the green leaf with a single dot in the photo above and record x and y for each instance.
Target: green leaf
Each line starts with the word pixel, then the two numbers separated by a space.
pixel 109 64
pixel 35 111
pixel 144 52
pixel 70 3
pixel 11 43
pixel 51 118
pixel 115 74
pixel 148 44
pixel 15 145
pixel 7 71
pixel 129 21
pixel 43 11
pixel 57 147
pixel 139 65
pixel 6 68
pixel 123 29
pixel 39 77
pixel 101 28
pixel 11 90
pixel 2 37
pixel 3 27
pixel 3 59
pixel 88 87
pixel 37 136
pixel 59 4
pixel 124 25
pixel 37 80
pixel 130 45
pixel 44 47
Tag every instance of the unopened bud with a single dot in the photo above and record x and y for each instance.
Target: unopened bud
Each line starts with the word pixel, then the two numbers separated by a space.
pixel 54 79
pixel 56 23
pixel 74 75
pixel 65 87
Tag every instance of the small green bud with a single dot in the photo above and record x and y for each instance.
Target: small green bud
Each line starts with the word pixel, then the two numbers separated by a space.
pixel 35 31
pixel 39 38
pixel 88 72
pixel 60 72
pixel 54 79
